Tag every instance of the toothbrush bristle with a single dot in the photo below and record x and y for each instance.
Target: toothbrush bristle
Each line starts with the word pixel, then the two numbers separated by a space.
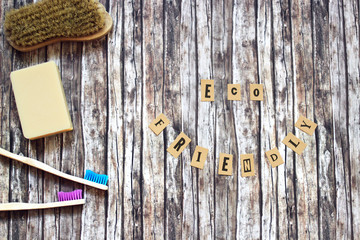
pixel 94 177
pixel 68 196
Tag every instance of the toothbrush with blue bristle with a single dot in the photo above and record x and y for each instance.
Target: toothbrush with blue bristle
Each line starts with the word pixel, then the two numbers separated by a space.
pixel 92 179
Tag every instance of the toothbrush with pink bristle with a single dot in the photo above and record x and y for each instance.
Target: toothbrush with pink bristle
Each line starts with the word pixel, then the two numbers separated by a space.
pixel 66 199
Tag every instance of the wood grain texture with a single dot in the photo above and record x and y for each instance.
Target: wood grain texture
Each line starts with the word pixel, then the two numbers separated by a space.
pixel 189 104
pixel 305 53
pixel 246 114
pixel 339 103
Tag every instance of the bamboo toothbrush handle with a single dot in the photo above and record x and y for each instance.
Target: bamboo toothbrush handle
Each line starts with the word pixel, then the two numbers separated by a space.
pixel 30 206
pixel 42 166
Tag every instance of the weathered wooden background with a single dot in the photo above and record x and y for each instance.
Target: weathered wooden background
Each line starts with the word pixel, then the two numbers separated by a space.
pixel 306 53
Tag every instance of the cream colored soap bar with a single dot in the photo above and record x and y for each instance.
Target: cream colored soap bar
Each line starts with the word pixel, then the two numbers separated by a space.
pixel 41 101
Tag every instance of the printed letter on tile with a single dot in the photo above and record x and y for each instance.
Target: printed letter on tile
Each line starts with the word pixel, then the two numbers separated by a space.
pixel 225 164
pixel 294 143
pixel 247 165
pixel 179 145
pixel 207 90
pixel 199 157
pixel 306 125
pixel 234 92
pixel 256 92
pixel 274 157
pixel 159 124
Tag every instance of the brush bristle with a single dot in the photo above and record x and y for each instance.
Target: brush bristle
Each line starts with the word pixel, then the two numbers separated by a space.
pixel 38 22
pixel 94 177
pixel 68 196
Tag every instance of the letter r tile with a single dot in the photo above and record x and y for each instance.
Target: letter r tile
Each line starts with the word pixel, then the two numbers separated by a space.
pixel 179 144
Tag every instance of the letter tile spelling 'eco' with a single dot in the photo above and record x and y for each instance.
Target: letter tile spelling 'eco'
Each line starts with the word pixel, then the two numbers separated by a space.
pixel 234 92
pixel 207 90
pixel 225 164
pixel 274 157
pixel 199 157
pixel 256 92
pixel 159 124
pixel 306 125
pixel 179 145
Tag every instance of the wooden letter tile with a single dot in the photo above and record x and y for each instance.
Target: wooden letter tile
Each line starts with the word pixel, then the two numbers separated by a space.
pixel 207 90
pixel 199 157
pixel 179 145
pixel 274 157
pixel 306 125
pixel 247 165
pixel 159 124
pixel 256 92
pixel 234 92
pixel 294 143
pixel 225 164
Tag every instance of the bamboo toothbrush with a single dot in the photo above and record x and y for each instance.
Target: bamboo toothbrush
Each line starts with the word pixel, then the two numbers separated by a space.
pixel 91 179
pixel 66 199
pixel 49 21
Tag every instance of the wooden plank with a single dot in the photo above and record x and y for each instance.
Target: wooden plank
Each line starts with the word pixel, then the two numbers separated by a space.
pixel 246 115
pixel 94 126
pixel 19 180
pixel 53 157
pixel 154 148
pixel 132 116
pixel 172 109
pixel 268 177
pixel 306 174
pixel 189 105
pixel 225 196
pixel 323 115
pixel 284 177
pixel 205 121
pixel 35 219
pixel 117 165
pixel 340 108
pixel 5 118
pixel 72 160
pixel 352 41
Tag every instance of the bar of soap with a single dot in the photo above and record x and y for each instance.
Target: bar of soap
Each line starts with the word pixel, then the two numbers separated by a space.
pixel 40 100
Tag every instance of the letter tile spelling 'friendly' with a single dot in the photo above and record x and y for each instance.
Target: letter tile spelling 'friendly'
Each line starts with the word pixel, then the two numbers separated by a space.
pixel 306 125
pixel 199 157
pixel 274 157
pixel 207 90
pixel 159 124
pixel 225 164
pixel 294 143
pixel 256 92
pixel 179 145
pixel 247 165
pixel 234 92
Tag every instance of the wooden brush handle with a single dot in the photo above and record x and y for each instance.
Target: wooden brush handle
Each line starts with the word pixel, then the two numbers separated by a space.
pixel 29 206
pixel 42 166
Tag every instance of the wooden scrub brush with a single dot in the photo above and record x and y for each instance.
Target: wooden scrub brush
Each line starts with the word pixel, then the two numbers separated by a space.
pixel 50 21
